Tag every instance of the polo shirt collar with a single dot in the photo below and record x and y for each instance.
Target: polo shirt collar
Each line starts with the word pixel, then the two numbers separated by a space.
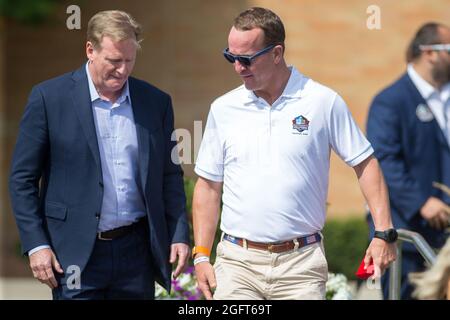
pixel 295 85
pixel 293 90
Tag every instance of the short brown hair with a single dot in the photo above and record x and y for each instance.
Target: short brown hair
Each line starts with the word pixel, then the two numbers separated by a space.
pixel 426 35
pixel 118 25
pixel 264 19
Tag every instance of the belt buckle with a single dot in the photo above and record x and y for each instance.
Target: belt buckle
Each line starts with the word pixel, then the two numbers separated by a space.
pixel 270 248
pixel 99 236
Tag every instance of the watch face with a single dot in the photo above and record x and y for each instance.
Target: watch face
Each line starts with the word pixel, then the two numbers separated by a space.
pixel 391 235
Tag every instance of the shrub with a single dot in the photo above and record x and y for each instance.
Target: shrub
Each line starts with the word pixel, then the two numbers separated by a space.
pixel 345 241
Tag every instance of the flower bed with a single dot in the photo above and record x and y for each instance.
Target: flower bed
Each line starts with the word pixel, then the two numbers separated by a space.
pixel 185 288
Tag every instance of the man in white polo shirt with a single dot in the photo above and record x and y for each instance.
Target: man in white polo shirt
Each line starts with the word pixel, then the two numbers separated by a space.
pixel 267 145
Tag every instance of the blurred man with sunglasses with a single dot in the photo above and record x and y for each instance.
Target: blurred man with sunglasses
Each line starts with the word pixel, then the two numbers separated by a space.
pixel 267 144
pixel 409 128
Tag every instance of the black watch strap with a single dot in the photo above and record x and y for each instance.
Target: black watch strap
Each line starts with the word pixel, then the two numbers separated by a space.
pixel 389 235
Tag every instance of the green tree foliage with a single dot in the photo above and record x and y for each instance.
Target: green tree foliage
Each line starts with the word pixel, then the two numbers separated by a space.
pixel 345 241
pixel 27 11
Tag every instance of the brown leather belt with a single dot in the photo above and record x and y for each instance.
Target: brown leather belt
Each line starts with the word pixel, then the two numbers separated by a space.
pixel 277 247
pixel 121 231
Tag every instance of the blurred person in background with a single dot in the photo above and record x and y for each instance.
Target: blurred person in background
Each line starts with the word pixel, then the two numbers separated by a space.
pixel 409 128
pixel 434 283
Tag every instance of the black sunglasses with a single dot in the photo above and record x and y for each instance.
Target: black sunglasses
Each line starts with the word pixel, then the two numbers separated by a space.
pixel 243 59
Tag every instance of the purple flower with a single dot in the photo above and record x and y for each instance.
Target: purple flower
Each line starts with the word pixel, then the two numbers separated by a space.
pixel 177 287
pixel 190 270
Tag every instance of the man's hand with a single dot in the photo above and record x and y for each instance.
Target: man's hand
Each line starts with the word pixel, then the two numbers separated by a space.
pixel 436 213
pixel 382 254
pixel 42 263
pixel 206 278
pixel 180 250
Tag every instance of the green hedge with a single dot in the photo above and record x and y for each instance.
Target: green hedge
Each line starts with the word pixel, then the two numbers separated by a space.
pixel 345 239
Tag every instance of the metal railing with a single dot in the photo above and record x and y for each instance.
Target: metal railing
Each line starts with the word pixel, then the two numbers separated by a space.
pixel 395 274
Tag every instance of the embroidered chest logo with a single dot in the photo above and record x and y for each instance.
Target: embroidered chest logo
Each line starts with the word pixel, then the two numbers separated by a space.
pixel 300 124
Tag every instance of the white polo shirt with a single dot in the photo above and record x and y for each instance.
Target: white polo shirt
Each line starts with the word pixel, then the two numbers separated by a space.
pixel 274 160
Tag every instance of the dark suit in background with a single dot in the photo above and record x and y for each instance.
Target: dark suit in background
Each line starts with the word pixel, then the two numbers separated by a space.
pixel 413 153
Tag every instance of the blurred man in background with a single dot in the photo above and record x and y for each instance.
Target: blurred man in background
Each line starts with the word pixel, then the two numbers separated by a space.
pixel 409 128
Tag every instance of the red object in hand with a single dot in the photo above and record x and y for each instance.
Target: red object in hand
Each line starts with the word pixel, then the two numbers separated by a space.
pixel 365 274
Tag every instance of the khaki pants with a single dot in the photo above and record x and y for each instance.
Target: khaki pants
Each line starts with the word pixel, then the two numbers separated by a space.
pixel 251 274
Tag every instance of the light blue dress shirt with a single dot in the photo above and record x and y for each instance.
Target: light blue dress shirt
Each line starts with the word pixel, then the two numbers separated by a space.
pixel 123 201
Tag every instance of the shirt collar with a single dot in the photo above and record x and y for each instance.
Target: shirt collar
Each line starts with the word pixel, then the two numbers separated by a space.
pixel 294 87
pixel 445 92
pixel 94 93
pixel 426 90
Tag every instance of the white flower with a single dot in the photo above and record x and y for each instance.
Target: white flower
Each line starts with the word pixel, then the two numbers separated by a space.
pixel 342 294
pixel 337 287
pixel 184 279
pixel 160 292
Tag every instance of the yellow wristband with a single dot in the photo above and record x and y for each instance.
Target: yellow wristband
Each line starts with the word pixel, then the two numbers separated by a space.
pixel 200 249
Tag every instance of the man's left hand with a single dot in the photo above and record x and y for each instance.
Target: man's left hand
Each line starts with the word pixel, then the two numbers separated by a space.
pixel 180 251
pixel 382 253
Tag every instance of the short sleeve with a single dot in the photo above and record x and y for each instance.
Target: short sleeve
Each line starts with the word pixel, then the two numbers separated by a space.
pixel 346 138
pixel 210 160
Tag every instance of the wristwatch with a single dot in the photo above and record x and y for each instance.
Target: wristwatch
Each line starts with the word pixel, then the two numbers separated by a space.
pixel 389 235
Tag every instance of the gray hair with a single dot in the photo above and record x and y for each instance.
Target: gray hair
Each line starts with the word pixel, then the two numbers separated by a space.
pixel 118 25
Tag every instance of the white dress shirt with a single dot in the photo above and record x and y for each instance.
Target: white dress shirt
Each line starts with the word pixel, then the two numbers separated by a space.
pixel 437 100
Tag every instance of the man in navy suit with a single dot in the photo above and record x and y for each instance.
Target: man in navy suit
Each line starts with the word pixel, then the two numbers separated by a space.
pixel 98 201
pixel 409 128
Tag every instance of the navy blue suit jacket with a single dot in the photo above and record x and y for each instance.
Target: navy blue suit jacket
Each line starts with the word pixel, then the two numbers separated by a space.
pixel 412 154
pixel 56 185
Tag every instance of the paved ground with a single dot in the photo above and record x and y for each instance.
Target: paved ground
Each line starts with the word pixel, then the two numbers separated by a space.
pixel 30 289
pixel 366 291
pixel 23 289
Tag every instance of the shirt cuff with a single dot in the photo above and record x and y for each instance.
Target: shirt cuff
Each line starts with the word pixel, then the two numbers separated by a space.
pixel 37 249
pixel 361 157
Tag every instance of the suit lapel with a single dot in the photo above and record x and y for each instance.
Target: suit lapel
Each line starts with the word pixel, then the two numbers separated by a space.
pixel 418 99
pixel 83 106
pixel 142 118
